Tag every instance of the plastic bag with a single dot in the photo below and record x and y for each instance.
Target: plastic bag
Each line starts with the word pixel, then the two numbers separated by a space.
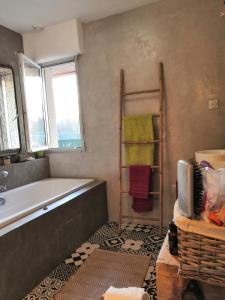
pixel 214 186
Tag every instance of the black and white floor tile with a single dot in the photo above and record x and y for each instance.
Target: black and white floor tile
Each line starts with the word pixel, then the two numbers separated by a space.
pixel 134 239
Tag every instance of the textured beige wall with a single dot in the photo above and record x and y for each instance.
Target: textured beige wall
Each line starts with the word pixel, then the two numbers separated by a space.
pixel 188 36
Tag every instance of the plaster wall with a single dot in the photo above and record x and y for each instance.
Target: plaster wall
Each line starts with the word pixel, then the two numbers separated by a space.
pixel 25 172
pixel 188 37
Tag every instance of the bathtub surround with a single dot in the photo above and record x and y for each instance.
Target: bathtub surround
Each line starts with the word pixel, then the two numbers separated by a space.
pixel 26 172
pixel 29 198
pixel 188 37
pixel 43 240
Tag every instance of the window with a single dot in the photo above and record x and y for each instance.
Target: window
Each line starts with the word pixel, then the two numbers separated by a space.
pixel 34 105
pixel 63 106
pixel 9 129
pixel 52 107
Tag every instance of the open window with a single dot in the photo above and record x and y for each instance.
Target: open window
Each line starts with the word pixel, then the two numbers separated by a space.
pixel 9 125
pixel 51 105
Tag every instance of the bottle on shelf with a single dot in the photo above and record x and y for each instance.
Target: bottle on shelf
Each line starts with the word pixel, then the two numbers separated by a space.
pixel 173 238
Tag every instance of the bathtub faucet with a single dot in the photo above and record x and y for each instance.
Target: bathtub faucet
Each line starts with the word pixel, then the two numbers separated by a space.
pixel 3 188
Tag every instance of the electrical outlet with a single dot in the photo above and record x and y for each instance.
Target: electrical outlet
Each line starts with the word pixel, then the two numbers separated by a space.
pixel 214 104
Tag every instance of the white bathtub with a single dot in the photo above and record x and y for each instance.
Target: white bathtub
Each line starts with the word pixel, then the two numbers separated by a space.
pixel 26 199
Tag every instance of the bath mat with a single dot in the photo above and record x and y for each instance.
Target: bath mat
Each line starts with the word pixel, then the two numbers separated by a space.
pixel 101 270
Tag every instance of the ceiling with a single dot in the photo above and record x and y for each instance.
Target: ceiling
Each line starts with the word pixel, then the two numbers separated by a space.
pixel 22 15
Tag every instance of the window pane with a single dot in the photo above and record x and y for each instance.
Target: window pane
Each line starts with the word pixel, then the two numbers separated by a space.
pixel 34 100
pixel 9 132
pixel 63 106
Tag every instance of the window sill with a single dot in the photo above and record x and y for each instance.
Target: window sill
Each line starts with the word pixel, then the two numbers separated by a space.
pixel 60 150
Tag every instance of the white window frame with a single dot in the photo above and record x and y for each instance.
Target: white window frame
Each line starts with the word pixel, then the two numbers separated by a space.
pixel 30 149
pixel 82 148
pixel 23 58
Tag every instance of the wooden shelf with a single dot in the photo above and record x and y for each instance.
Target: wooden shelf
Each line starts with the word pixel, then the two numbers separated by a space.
pixel 140 142
pixel 152 167
pixel 141 92
pixel 150 193
pixel 140 218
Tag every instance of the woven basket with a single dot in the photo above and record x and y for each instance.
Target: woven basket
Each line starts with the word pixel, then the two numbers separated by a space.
pixel 201 258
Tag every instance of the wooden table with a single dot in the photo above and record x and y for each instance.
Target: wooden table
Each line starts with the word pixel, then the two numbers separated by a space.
pixel 170 285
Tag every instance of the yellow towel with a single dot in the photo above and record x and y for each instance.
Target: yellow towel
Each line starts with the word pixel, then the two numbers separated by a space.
pixel 137 129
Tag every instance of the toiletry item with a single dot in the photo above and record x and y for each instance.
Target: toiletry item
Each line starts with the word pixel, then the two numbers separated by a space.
pixel 192 292
pixel 190 188
pixel 221 214
pixel 173 238
pixel 6 160
pixel 20 158
pixel 206 164
pixel 212 216
pixel 28 158
pixel 198 189
pixel 40 154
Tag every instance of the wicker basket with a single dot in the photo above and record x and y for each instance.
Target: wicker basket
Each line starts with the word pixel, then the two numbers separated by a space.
pixel 201 258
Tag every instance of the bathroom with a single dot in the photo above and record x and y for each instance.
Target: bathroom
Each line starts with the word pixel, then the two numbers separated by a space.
pixel 97 39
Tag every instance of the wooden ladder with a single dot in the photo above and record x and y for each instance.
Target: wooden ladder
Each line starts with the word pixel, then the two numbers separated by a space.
pixel 159 168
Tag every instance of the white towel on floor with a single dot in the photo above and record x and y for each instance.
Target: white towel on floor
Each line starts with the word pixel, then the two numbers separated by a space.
pixel 130 293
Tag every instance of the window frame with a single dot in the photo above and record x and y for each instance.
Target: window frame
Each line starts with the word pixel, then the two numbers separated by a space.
pixel 42 67
pixel 16 150
pixel 82 148
pixel 30 149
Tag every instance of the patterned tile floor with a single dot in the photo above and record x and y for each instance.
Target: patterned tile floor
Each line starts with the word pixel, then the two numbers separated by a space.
pixel 134 239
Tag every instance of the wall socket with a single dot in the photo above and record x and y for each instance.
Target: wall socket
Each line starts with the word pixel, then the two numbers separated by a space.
pixel 214 104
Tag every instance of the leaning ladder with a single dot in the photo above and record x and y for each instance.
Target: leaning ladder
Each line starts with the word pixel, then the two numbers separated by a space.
pixel 123 95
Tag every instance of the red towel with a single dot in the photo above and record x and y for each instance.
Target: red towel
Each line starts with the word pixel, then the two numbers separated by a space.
pixel 142 205
pixel 139 188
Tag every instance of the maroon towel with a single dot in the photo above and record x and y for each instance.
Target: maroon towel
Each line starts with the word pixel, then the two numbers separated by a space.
pixel 142 205
pixel 139 181
pixel 139 188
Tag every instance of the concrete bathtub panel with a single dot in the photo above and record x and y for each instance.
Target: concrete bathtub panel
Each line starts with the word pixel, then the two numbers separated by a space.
pixel 30 252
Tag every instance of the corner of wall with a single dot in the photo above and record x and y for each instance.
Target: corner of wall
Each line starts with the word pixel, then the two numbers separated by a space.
pixel 80 37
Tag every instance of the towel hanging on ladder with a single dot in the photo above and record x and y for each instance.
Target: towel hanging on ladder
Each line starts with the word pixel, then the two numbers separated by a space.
pixel 138 129
pixel 139 177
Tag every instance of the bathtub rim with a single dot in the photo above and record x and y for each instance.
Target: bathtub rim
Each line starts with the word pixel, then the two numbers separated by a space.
pixel 44 210
pixel 42 204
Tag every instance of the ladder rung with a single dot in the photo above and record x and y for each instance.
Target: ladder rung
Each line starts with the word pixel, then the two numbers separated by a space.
pixel 141 92
pixel 154 115
pixel 152 167
pixel 150 193
pixel 140 218
pixel 141 142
